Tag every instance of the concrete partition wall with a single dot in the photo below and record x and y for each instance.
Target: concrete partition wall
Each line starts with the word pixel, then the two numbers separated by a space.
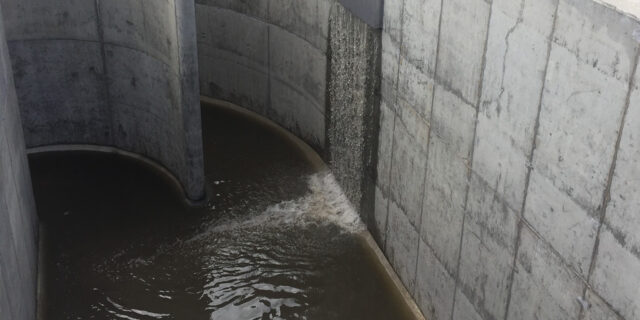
pixel 115 73
pixel 508 157
pixel 311 66
pixel 270 57
pixel 18 220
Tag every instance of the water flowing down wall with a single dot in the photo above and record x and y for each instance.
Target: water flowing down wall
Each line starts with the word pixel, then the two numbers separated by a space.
pixel 310 66
pixel 111 73
pixel 18 220
pixel 353 87
pixel 508 158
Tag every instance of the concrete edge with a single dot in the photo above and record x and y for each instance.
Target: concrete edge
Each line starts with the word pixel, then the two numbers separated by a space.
pixel 41 274
pixel 154 165
pixel 631 13
pixel 391 276
pixel 369 11
pixel 310 154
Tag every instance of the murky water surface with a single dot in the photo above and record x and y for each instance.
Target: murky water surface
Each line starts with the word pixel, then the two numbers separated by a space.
pixel 275 241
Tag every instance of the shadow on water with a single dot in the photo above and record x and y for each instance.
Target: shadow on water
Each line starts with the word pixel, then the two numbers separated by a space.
pixel 119 243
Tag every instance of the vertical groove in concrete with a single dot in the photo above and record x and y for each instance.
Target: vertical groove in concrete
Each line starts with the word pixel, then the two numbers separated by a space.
pixel 426 168
pixel 395 117
pixel 327 110
pixel 18 218
pixel 189 91
pixel 105 73
pixel 268 104
pixel 534 138
pixel 606 196
pixel 470 159
pixel 386 225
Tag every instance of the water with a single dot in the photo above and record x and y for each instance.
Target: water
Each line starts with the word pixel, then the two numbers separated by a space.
pixel 276 241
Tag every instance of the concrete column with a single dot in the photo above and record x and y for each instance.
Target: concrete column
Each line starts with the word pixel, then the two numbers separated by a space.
pixel 110 73
pixel 18 220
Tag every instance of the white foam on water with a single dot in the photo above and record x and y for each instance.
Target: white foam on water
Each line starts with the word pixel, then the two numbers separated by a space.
pixel 326 203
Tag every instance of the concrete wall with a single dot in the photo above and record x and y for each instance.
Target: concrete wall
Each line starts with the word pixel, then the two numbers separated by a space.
pixel 507 168
pixel 18 220
pixel 270 57
pixel 311 66
pixel 110 72
pixel 369 11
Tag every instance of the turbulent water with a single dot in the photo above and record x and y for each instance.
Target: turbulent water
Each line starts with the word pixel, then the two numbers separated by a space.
pixel 276 241
pixel 325 204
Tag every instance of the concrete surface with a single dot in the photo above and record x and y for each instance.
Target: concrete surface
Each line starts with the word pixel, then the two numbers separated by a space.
pixel 270 57
pixel 310 66
pixel 525 161
pixel 18 219
pixel 113 73
pixel 506 156
pixel 368 11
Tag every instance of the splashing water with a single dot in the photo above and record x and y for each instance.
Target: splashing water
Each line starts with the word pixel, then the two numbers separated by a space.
pixel 325 203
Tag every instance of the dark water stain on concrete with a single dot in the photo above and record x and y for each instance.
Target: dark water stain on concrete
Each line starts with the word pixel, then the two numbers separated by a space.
pixel 119 243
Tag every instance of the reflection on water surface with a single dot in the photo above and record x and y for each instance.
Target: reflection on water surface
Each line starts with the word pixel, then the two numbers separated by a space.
pixel 275 240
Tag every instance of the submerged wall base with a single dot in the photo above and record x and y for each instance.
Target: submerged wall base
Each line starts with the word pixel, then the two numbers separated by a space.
pixel 154 165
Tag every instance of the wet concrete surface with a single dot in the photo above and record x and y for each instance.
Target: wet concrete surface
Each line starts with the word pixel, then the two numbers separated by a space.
pixel 119 243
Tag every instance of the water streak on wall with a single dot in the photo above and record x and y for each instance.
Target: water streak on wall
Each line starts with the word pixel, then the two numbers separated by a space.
pixel 352 116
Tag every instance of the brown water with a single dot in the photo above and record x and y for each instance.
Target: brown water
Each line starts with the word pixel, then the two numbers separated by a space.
pixel 119 244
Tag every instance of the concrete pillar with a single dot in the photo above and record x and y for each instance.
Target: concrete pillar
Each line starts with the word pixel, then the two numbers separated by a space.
pixel 18 220
pixel 110 73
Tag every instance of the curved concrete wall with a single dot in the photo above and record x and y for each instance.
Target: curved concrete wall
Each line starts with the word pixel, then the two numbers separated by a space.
pixel 268 56
pixel 508 161
pixel 110 72
pixel 18 220
pixel 311 66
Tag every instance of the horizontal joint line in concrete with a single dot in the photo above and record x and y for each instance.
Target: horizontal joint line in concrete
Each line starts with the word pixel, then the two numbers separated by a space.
pixel 436 255
pixel 602 299
pixel 153 56
pixel 584 62
pixel 497 194
pixel 404 211
pixel 301 92
pixel 255 66
pixel 453 91
pixel 269 24
pixel 555 252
